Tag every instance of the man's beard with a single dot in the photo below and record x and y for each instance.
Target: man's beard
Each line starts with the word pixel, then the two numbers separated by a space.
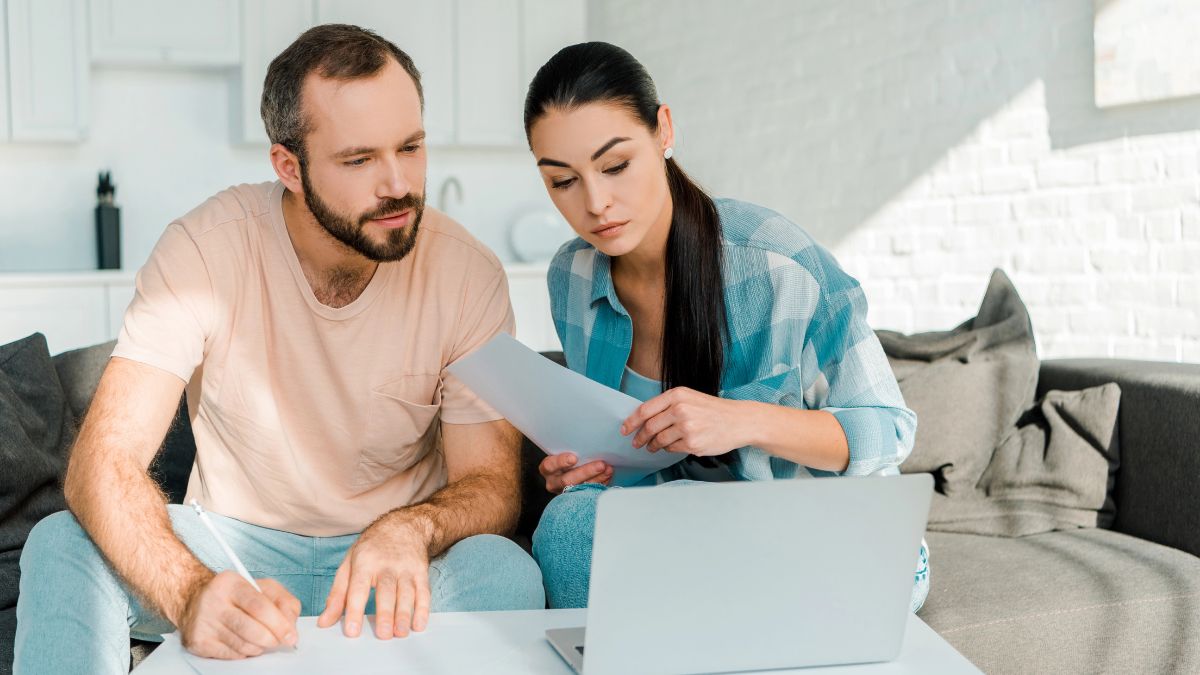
pixel 350 231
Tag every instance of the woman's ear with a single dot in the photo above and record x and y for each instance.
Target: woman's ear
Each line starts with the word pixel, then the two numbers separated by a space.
pixel 287 167
pixel 666 129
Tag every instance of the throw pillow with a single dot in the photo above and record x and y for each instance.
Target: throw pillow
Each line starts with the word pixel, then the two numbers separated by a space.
pixel 968 386
pixel 36 429
pixel 1055 471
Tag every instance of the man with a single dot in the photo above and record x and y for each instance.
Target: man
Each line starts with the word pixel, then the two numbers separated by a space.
pixel 311 321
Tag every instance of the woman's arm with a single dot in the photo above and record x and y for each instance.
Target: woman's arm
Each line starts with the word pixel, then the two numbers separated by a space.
pixel 685 420
pixel 848 416
pixel 812 438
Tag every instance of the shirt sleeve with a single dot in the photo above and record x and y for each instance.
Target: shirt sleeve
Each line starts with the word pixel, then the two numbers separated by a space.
pixel 171 315
pixel 487 311
pixel 567 302
pixel 859 388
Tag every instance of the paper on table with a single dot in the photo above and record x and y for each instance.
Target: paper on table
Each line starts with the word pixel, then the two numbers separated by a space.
pixel 559 409
pixel 451 643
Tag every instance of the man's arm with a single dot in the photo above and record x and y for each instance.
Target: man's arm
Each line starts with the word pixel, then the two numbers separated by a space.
pixel 107 483
pixel 392 556
pixel 110 491
pixel 483 491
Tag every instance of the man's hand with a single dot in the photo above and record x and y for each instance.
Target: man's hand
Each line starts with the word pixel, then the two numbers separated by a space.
pixel 226 618
pixel 558 472
pixel 685 420
pixel 391 556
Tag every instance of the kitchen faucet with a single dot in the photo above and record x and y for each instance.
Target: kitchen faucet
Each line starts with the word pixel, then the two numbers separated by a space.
pixel 447 184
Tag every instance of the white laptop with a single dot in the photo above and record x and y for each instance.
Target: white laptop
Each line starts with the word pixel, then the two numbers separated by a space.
pixel 750 575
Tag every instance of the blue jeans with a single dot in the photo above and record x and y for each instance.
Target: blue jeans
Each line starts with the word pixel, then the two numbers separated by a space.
pixel 75 616
pixel 562 547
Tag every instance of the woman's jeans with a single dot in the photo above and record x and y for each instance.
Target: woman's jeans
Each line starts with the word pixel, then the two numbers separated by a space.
pixel 74 615
pixel 562 547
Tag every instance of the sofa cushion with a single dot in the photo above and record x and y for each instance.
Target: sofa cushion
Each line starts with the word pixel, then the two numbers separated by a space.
pixel 968 386
pixel 1054 472
pixel 79 370
pixel 8 628
pixel 172 466
pixel 1156 491
pixel 1073 601
pixel 36 429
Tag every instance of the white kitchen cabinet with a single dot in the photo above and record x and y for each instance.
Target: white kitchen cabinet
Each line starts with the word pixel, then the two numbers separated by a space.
pixel 546 27
pixel 48 69
pixel 80 309
pixel 490 92
pixel 268 27
pixel 69 314
pixel 531 306
pixel 423 30
pixel 166 32
pixel 476 57
pixel 501 44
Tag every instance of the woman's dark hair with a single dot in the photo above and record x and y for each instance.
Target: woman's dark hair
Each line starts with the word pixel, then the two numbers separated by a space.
pixel 693 353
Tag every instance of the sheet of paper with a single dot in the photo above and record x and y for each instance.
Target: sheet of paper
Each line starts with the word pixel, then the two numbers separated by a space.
pixel 559 409
pixel 451 643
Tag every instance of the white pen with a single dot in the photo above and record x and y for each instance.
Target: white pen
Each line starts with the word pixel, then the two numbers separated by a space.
pixel 237 563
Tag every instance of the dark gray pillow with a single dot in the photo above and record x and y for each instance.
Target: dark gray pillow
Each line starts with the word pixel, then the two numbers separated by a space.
pixel 41 401
pixel 8 630
pixel 172 467
pixel 79 372
pixel 36 430
pixel 968 386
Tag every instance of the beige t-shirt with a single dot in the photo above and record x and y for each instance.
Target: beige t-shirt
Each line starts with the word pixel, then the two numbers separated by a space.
pixel 311 419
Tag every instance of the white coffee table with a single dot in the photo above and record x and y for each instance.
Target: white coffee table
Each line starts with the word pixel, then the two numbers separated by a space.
pixel 505 642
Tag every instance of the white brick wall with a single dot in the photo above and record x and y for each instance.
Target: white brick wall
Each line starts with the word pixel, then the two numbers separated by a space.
pixel 928 141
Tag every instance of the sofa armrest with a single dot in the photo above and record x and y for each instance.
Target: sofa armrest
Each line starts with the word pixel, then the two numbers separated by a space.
pixel 1158 482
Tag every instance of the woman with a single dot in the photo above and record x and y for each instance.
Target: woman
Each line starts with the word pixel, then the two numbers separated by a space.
pixel 747 342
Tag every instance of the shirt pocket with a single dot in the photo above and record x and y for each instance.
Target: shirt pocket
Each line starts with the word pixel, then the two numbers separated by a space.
pixel 401 425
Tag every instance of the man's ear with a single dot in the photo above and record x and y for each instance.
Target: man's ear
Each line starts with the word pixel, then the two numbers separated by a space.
pixel 287 167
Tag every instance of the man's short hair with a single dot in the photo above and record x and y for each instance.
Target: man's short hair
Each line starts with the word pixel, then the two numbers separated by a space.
pixel 336 51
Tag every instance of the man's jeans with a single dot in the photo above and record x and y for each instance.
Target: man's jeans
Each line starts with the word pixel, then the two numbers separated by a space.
pixel 75 616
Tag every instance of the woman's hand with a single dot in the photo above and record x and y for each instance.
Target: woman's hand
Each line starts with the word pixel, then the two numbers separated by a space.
pixel 558 472
pixel 685 420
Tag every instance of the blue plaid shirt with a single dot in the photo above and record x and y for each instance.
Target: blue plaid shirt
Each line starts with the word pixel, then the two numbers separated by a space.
pixel 797 336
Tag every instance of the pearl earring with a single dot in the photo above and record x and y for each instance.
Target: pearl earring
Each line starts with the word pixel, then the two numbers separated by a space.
pixel 668 153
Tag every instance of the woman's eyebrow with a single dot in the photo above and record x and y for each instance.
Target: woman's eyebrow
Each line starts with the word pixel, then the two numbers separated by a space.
pixel 606 147
pixel 546 161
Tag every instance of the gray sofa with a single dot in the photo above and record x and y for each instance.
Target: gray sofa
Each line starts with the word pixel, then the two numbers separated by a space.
pixel 1119 600
pixel 1124 600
